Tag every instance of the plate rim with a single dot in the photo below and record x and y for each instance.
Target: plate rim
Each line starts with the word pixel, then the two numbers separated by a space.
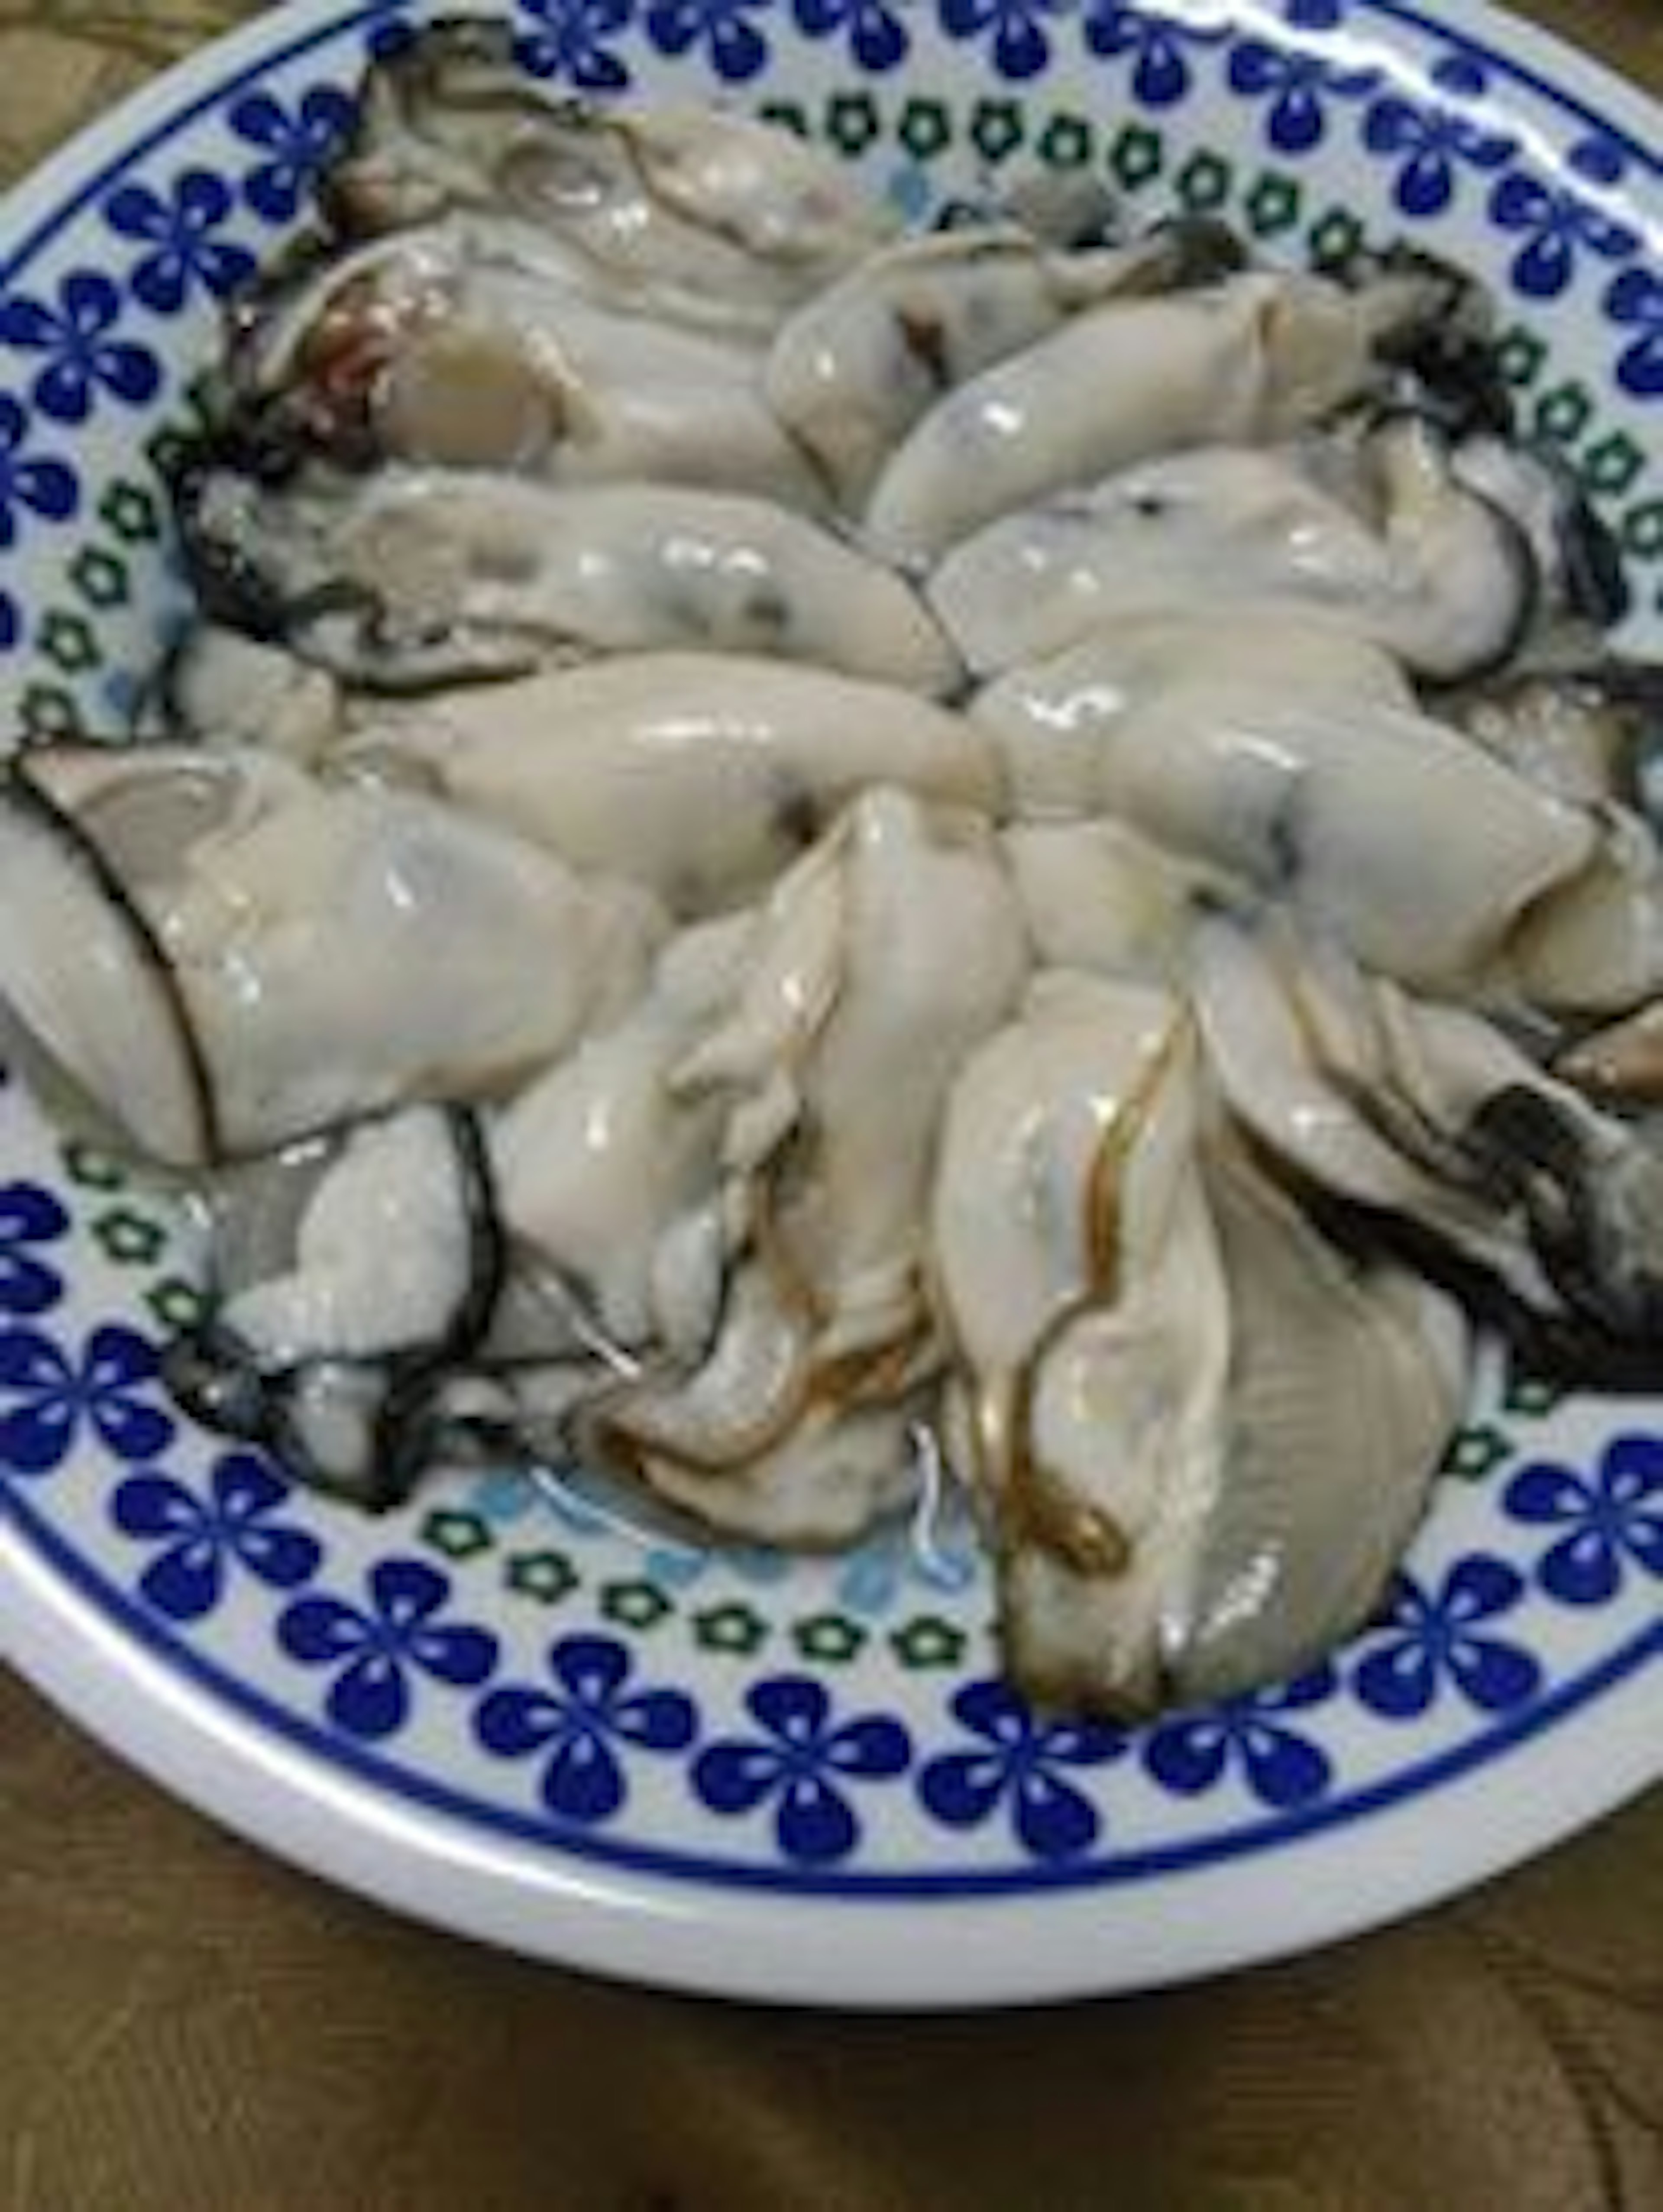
pixel 816 1949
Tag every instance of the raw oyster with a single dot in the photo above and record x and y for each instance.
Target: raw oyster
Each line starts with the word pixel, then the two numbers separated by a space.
pixel 1252 361
pixel 315 1348
pixel 1445 1141
pixel 1374 820
pixel 744 762
pixel 1081 1282
pixel 878 961
pixel 410 578
pixel 471 955
pixel 856 367
pixel 1413 559
pixel 693 214
pixel 455 345
pixel 1052 718
pixel 1348 1375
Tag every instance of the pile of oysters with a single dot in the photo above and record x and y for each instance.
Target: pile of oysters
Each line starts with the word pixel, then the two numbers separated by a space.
pixel 789 853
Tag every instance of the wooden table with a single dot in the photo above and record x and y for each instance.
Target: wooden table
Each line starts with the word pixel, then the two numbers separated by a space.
pixel 185 2026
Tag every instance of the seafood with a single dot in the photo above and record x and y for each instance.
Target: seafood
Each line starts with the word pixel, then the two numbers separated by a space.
pixel 1436 573
pixel 747 762
pixel 1254 360
pixel 690 214
pixel 1082 1280
pixel 856 367
pixel 410 578
pixel 1016 855
pixel 226 890
pixel 455 345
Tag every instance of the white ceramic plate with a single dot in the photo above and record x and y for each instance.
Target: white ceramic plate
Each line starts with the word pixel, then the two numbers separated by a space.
pixel 718 1771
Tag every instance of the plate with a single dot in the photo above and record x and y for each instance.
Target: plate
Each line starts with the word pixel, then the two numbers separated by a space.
pixel 503 1709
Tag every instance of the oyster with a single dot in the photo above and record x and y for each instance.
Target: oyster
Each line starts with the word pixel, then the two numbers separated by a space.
pixel 410 578
pixel 315 1348
pixel 1437 1136
pixel 474 956
pixel 1370 819
pixel 878 960
pixel 692 214
pixel 1348 1376
pixel 455 345
pixel 1081 1283
pixel 1053 718
pixel 1413 559
pixel 1255 360
pixel 746 762
pixel 857 365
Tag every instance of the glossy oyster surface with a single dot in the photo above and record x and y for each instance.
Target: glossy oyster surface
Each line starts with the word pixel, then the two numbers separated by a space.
pixel 1019 849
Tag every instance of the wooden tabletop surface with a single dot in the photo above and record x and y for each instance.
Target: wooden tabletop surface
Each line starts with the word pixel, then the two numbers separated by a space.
pixel 187 2026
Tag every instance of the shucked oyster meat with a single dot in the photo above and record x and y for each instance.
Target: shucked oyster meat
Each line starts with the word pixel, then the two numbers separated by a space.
pixel 790 853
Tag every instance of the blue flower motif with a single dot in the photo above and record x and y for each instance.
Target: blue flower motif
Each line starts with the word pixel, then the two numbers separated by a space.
pixel 46 486
pixel 1610 1518
pixel 82 357
pixel 28 1215
pixel 1555 224
pixel 179 230
pixel 297 142
pixel 1154 45
pixel 1430 141
pixel 202 1537
pixel 571 42
pixel 581 1724
pixel 1192 1752
pixel 1634 301
pixel 47 1392
pixel 375 1647
pixel 738 48
pixel 1435 1636
pixel 1295 80
pixel 1020 43
pixel 800 1763
pixel 878 39
pixel 1017 1763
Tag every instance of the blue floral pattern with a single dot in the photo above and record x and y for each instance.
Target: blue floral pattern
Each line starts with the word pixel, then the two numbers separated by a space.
pixel 1016 32
pixel 573 41
pixel 30 484
pixel 296 139
pixel 82 353
pixel 584 1728
pixel 375 1650
pixel 1432 141
pixel 1193 1753
pixel 29 1215
pixel 877 39
pixel 801 1763
pixel 1023 1765
pixel 1635 302
pixel 1555 225
pixel 201 1538
pixel 1443 1638
pixel 723 29
pixel 1157 48
pixel 50 1393
pixel 1606 1522
pixel 180 230
pixel 1296 83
